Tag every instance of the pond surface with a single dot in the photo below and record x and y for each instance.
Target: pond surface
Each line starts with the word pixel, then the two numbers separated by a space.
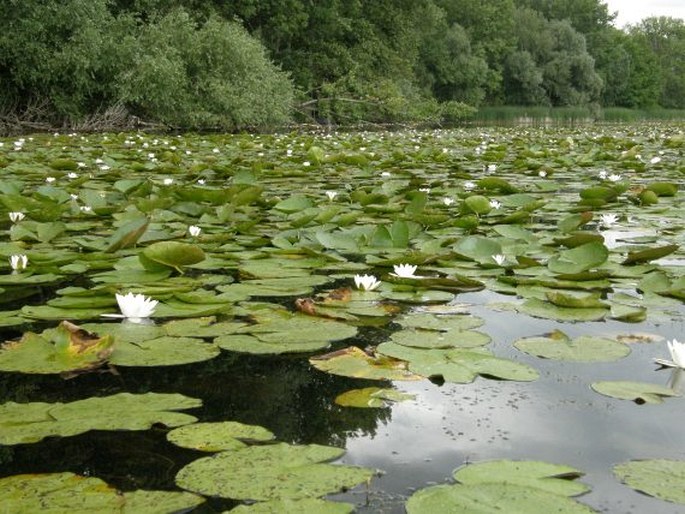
pixel 286 222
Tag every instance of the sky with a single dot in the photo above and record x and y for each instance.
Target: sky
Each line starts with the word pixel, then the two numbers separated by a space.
pixel 632 11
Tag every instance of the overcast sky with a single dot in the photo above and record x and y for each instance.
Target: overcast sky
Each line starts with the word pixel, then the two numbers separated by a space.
pixel 632 11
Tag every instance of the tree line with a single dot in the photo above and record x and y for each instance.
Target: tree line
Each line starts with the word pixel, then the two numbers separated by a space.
pixel 256 63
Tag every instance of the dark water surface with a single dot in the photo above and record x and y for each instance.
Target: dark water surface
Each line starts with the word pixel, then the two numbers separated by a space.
pixel 413 444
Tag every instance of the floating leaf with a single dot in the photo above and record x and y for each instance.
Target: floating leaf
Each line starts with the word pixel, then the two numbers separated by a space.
pixel 547 310
pixel 458 365
pixel 31 422
pixel 558 346
pixel 286 506
pixel 553 478
pixel 650 254
pixel 58 492
pixel 163 351
pixel 214 437
pixel 127 235
pixel 661 478
pixel 493 497
pixel 581 258
pixel 154 502
pixel 353 362
pixel 171 254
pixel 66 349
pixel 371 397
pixel 276 471
pixel 639 392
pixel 440 339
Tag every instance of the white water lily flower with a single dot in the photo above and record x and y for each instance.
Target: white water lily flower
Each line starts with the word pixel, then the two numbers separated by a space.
pixel 331 195
pixel 404 270
pixel 614 177
pixel 499 259
pixel 448 201
pixel 134 306
pixel 608 220
pixel 425 189
pixel 72 175
pixel 677 350
pixel 19 262
pixel 655 160
pixel 306 164
pixel 50 180
pixel 16 216
pixel 491 168
pixel 542 173
pixel 602 175
pixel 469 185
pixel 168 181
pixel 201 181
pixel 366 282
pixel 86 208
pixel 495 204
pixel 194 230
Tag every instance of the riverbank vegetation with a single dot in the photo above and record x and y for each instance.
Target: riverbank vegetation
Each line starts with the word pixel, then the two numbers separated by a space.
pixel 186 64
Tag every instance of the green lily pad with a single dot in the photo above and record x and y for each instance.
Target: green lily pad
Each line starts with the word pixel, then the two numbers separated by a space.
pixel 58 492
pixel 151 502
pixel 287 506
pixel 170 254
pixel 458 365
pixel 430 321
pixel 31 422
pixel 547 310
pixel 201 327
pixel 558 346
pixel 276 471
pixel 492 497
pixel 163 351
pixel 478 248
pixel 650 254
pixel 579 259
pixel 353 362
pixel 214 437
pixel 67 349
pixel 371 397
pixel 639 392
pixel 553 478
pixel 440 339
pixel 661 478
pixel 242 343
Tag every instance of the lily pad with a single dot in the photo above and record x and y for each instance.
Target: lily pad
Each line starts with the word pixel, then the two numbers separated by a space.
pixel 371 397
pixel 242 343
pixel 153 502
pixel 286 506
pixel 276 471
pixel 542 309
pixel 214 437
pixel 492 497
pixel 353 362
pixel 639 392
pixel 67 349
pixel 458 365
pixel 170 254
pixel 558 346
pixel 163 351
pixel 31 422
pixel 553 478
pixel 661 478
pixel 440 339
pixel 579 259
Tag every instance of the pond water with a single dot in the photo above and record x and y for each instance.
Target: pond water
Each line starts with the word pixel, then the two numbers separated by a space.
pixel 267 224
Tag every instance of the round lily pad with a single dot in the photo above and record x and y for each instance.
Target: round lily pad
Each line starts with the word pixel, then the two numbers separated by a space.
pixel 163 351
pixel 436 339
pixel 558 346
pixel 286 506
pixel 214 437
pixel 271 472
pixel 661 478
pixel 639 392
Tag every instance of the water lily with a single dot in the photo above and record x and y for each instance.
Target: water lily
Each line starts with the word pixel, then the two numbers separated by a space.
pixel 366 282
pixel 50 180
pixel 404 270
pixel 19 262
pixel 608 220
pixel 499 259
pixel 495 204
pixel 194 230
pixel 72 175
pixel 331 195
pixel 201 181
pixel 425 189
pixel 602 175
pixel 448 201
pixel 168 181
pixel 135 307
pixel 469 185
pixel 542 173
pixel 614 177
pixel 16 216
pixel 86 208
pixel 677 351
pixel 491 168
pixel 655 160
